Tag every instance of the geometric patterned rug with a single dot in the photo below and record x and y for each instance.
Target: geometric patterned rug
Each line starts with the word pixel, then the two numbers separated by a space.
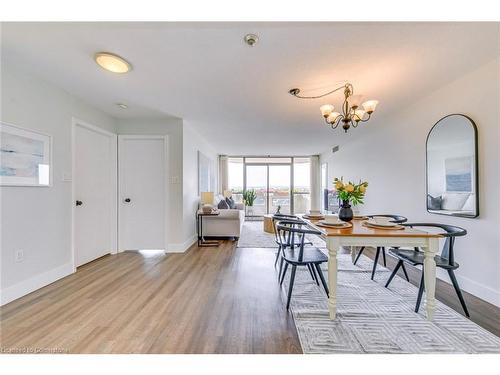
pixel 375 319
pixel 253 235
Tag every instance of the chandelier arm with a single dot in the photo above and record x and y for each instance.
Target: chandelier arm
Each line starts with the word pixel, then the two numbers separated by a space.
pixel 337 122
pixel 369 115
pixel 295 92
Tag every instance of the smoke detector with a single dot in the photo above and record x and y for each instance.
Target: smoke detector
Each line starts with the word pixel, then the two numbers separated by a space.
pixel 251 39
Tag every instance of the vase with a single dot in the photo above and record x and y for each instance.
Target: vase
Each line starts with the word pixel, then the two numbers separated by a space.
pixel 345 212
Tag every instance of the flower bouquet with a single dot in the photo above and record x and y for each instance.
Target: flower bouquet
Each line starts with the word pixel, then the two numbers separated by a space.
pixel 349 193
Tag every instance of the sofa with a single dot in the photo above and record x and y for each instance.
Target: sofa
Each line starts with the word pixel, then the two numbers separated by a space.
pixel 452 203
pixel 228 223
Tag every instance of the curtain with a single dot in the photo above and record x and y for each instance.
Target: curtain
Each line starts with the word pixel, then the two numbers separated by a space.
pixel 315 183
pixel 223 179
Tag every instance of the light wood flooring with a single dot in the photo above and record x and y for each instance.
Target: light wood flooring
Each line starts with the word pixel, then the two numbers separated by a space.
pixel 207 300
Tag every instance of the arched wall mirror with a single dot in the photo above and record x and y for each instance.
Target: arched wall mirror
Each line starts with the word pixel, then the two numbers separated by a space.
pixel 452 167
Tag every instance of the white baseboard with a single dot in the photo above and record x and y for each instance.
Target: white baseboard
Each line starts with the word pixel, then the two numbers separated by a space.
pixel 479 290
pixel 18 290
pixel 181 247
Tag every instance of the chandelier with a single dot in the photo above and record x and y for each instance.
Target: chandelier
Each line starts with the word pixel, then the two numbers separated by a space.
pixel 351 114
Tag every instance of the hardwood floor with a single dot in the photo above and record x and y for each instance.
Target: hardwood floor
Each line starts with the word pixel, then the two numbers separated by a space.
pixel 207 300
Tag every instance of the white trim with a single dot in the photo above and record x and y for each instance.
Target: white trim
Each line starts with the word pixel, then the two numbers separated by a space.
pixel 166 161
pixel 25 287
pixel 113 179
pixel 181 247
pixel 479 290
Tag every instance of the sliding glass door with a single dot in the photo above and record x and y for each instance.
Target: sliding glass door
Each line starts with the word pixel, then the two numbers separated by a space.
pixel 282 182
pixel 279 189
pixel 256 180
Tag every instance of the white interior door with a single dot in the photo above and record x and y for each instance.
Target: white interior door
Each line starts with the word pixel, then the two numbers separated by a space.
pixel 142 192
pixel 94 192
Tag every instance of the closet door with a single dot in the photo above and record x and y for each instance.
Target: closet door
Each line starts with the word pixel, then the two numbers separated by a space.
pixel 94 179
pixel 142 192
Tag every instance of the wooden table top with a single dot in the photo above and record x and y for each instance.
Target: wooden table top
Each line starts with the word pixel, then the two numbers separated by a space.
pixel 359 230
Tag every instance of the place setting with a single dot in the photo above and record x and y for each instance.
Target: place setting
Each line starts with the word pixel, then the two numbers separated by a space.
pixel 314 215
pixel 333 221
pixel 381 222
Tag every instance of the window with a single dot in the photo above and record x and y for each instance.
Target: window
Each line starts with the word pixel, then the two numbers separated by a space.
pixel 324 184
pixel 235 178
pixel 271 178
pixel 301 185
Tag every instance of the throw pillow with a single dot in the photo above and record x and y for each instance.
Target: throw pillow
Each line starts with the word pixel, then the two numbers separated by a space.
pixel 231 203
pixel 434 203
pixel 223 205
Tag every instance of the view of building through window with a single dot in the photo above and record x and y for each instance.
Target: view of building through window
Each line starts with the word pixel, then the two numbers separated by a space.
pixel 277 182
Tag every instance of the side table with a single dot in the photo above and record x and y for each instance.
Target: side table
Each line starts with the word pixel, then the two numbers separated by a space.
pixel 201 239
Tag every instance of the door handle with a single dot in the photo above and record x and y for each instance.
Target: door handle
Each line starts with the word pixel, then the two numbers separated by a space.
pixel 127 200
pixel 79 203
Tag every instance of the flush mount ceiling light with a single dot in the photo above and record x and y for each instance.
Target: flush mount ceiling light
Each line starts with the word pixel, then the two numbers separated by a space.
pixel 351 114
pixel 251 39
pixel 122 105
pixel 112 62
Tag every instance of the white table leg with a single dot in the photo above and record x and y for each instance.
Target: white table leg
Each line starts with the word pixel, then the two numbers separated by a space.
pixel 430 276
pixel 333 244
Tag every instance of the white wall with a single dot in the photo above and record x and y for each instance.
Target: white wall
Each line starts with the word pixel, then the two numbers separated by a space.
pixel 38 219
pixel 173 128
pixel 391 156
pixel 192 143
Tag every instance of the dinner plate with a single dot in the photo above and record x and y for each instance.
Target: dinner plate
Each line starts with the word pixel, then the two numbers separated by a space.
pixel 314 217
pixel 334 225
pixel 388 224
pixel 376 226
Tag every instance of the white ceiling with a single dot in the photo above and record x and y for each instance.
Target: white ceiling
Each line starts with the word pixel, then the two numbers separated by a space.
pixel 235 95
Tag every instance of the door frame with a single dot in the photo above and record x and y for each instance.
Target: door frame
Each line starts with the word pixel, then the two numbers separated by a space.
pixel 166 147
pixel 75 122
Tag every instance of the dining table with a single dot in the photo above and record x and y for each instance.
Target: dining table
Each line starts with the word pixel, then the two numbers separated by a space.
pixel 359 234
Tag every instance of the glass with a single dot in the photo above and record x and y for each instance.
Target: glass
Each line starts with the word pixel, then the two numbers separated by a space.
pixel 279 188
pixel 301 185
pixel 324 185
pixel 452 183
pixel 370 105
pixel 301 203
pixel 235 178
pixel 257 181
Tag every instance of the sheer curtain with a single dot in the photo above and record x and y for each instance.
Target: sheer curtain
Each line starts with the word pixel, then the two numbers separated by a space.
pixel 223 177
pixel 315 183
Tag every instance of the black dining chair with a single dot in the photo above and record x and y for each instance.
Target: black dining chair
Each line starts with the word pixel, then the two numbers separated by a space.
pixel 445 260
pixel 398 219
pixel 292 240
pixel 310 257
pixel 276 219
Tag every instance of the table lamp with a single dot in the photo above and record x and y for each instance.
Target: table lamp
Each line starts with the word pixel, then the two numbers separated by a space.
pixel 207 197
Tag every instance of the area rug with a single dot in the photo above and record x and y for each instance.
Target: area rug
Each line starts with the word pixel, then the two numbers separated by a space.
pixel 375 319
pixel 253 235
